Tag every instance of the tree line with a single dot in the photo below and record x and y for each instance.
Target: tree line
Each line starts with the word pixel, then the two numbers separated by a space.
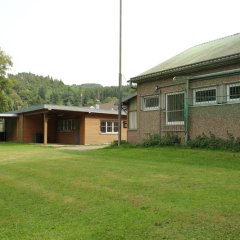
pixel 25 89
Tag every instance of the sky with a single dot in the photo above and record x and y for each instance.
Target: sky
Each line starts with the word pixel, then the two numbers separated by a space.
pixel 77 41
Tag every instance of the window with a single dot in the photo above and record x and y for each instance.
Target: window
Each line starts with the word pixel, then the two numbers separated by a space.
pixel 205 95
pixel 2 125
pixel 233 92
pixel 151 102
pixel 66 125
pixel 175 109
pixel 109 127
pixel 132 120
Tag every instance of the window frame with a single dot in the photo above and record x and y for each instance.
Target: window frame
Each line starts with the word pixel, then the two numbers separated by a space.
pixel 201 90
pixel 113 123
pixel 65 125
pixel 175 122
pixel 144 98
pixel 228 92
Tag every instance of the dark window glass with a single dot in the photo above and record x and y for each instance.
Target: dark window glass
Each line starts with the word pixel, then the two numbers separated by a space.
pixel 205 95
pixel 175 107
pixel 234 92
pixel 151 102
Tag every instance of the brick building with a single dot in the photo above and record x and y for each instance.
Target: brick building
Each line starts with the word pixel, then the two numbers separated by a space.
pixel 61 124
pixel 195 92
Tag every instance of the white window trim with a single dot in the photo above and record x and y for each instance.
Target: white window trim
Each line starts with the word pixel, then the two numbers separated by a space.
pixel 176 122
pixel 150 108
pixel 200 90
pixel 228 92
pixel 105 121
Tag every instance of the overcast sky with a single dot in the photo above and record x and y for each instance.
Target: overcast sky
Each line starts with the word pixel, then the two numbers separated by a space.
pixel 77 41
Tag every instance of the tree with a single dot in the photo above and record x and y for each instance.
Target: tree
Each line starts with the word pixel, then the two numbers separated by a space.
pixel 5 64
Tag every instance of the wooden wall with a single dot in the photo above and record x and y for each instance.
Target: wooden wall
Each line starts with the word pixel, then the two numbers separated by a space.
pixel 92 129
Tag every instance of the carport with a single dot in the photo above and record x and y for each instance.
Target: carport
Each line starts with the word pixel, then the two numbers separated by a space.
pixel 8 126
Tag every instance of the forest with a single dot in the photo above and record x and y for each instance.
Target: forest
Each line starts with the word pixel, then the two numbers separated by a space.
pixel 26 89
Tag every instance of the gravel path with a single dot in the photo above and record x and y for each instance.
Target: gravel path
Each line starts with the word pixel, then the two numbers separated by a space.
pixel 78 147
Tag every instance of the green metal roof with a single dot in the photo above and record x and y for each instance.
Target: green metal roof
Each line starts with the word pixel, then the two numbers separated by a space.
pixel 219 50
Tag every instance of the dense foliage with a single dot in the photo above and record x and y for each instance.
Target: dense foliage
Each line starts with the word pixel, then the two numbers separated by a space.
pixel 213 142
pixel 5 63
pixel 157 140
pixel 26 89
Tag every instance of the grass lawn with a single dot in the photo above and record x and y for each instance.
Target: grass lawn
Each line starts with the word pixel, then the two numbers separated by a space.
pixel 118 194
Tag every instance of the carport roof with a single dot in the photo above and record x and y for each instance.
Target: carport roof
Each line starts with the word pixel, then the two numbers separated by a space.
pixel 50 107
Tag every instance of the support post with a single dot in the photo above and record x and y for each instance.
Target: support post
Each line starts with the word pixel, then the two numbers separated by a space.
pixel 20 125
pixel 45 129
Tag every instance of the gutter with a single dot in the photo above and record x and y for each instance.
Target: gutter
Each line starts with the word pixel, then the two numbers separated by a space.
pixel 208 75
pixel 217 74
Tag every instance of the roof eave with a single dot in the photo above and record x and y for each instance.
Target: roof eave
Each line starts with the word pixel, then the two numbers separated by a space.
pixel 8 115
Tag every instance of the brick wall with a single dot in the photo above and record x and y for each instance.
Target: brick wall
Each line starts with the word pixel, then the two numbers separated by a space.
pixel 218 118
pixel 132 136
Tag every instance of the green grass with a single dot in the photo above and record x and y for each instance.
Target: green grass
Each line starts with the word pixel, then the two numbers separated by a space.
pixel 118 193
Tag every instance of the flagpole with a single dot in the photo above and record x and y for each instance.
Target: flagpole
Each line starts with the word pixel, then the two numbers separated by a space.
pixel 120 78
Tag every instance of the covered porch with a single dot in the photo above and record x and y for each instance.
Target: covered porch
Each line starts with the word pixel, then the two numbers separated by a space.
pixel 48 126
pixel 53 126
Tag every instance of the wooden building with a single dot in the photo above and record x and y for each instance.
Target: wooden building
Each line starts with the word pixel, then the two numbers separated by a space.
pixel 62 125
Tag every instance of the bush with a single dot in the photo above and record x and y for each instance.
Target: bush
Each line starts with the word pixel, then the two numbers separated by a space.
pixel 123 143
pixel 157 140
pixel 213 142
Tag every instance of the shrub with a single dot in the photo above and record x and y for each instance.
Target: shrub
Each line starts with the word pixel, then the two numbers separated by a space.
pixel 213 142
pixel 124 144
pixel 157 140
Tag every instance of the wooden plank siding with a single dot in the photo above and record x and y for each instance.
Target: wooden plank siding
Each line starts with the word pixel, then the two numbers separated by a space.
pixel 87 128
pixel 92 131
pixel 32 125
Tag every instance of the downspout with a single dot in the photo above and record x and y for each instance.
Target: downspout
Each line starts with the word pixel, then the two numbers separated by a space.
pixel 186 112
pixel 160 114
